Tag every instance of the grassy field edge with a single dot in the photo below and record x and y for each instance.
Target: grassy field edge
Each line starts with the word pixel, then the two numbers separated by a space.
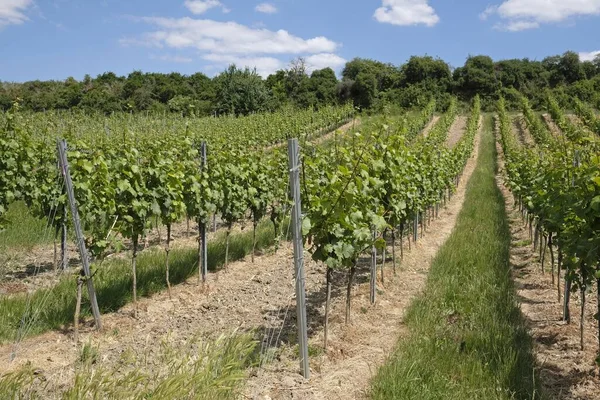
pixel 467 339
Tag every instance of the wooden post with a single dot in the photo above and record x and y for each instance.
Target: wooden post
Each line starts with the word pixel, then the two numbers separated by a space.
pixel 373 269
pixel 64 167
pixel 416 227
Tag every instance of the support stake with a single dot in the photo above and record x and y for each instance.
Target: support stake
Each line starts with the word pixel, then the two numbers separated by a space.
pixel 294 167
pixel 64 167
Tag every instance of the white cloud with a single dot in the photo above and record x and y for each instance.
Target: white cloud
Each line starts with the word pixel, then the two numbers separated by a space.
pixel 201 6
pixel 589 56
pixel 324 60
pixel 490 10
pixel 227 38
pixel 266 8
pixel 224 43
pixel 264 65
pixel 527 14
pixel 516 26
pixel 171 58
pixel 406 12
pixel 12 11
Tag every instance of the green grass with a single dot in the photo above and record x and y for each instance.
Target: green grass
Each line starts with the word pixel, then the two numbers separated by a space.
pixel 194 369
pixel 24 230
pixel 467 336
pixel 24 315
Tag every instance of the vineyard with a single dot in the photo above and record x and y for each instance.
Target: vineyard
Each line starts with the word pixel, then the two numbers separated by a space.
pixel 163 204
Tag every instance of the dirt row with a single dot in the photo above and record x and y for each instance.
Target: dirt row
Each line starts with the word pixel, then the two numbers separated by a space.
pixel 457 129
pixel 342 129
pixel 430 125
pixel 259 297
pixel 552 126
pixel 565 371
pixel 522 132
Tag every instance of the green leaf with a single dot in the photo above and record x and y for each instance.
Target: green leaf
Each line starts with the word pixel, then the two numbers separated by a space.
pixel 306 226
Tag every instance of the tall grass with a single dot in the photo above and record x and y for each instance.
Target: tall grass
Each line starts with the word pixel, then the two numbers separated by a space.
pixel 24 230
pixel 467 336
pixel 196 369
pixel 24 315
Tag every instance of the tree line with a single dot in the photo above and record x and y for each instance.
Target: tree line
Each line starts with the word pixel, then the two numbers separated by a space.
pixel 369 84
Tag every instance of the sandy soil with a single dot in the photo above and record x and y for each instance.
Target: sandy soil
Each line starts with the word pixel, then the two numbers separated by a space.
pixel 522 132
pixel 456 130
pixel 430 125
pixel 566 371
pixel 554 129
pixel 342 129
pixel 259 297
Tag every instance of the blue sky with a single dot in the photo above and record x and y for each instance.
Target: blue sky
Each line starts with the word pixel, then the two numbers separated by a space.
pixel 55 39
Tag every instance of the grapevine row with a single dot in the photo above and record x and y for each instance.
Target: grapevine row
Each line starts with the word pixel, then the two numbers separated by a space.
pixel 558 185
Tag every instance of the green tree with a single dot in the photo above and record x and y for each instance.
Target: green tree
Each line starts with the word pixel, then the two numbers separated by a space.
pixel 323 83
pixel 476 77
pixel 240 91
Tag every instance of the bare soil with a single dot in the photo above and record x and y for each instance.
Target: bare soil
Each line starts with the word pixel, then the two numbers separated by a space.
pixel 456 130
pixel 522 132
pixel 259 298
pixel 565 371
pixel 554 129
pixel 342 129
pixel 430 125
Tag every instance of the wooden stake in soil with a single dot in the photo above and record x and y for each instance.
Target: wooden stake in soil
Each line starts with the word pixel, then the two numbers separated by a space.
pixel 134 273
pixel 416 228
pixel 373 269
pixel 227 235
pixel 402 244
pixel 598 310
pixel 536 236
pixel 80 279
pixel 543 251
pixel 254 223
pixel 558 268
pixel 394 248
pixel 56 231
pixel 383 257
pixel 327 305
pixel 167 249
pixel 551 256
pixel 349 291
pixel 582 316
pixel 566 311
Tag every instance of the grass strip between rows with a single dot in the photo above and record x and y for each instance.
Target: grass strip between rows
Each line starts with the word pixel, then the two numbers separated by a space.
pixel 23 315
pixel 467 339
